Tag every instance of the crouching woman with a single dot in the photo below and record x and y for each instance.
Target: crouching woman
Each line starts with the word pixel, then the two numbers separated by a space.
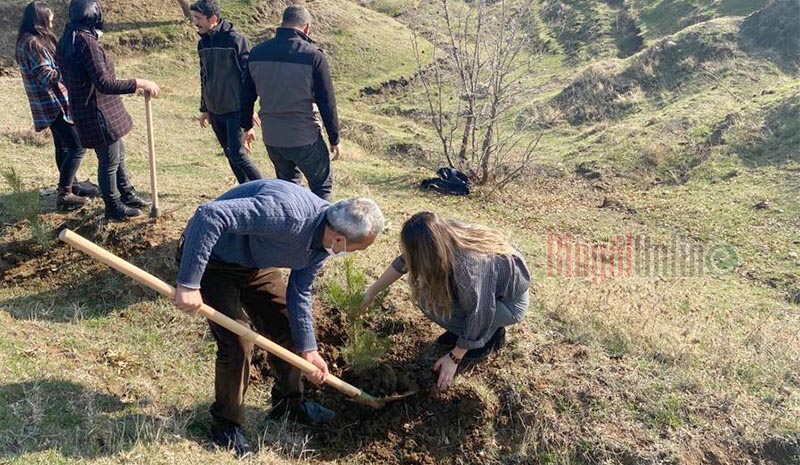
pixel 467 278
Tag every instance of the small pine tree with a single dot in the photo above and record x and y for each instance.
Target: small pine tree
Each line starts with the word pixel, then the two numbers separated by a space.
pixel 24 206
pixel 363 347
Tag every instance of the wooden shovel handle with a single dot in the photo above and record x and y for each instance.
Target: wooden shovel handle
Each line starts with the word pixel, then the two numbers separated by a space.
pixel 151 149
pixel 104 256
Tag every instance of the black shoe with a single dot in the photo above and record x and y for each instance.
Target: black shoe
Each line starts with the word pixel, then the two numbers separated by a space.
pixel 231 438
pixel 122 213
pixel 85 189
pixel 447 339
pixel 132 200
pixel 313 414
pixel 494 344
pixel 501 339
pixel 305 412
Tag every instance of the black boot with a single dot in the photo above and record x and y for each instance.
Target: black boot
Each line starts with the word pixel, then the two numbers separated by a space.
pixel 85 189
pixel 231 438
pixel 497 341
pixel 130 199
pixel 68 201
pixel 302 411
pixel 447 339
pixel 501 339
pixel 117 211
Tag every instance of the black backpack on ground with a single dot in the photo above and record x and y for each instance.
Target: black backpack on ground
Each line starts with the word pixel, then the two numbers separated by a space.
pixel 450 181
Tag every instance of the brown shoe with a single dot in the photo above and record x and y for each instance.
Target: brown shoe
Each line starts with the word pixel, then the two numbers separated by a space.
pixel 67 201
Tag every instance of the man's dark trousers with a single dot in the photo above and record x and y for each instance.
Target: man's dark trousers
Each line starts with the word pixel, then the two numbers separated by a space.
pixel 313 161
pixel 231 138
pixel 255 298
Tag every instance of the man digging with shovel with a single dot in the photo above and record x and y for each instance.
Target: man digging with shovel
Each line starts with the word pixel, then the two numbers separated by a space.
pixel 228 255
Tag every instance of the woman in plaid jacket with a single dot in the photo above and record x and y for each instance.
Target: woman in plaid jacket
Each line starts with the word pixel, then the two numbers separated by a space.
pixel 36 47
pixel 100 117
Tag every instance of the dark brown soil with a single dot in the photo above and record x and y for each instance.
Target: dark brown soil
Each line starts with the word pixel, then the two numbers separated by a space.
pixel 426 428
pixel 148 243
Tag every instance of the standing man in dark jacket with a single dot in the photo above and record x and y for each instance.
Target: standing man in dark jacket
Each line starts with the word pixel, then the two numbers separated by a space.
pixel 290 74
pixel 100 118
pixel 223 59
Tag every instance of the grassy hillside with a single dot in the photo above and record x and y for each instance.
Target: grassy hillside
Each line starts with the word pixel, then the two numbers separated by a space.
pixel 663 17
pixel 673 121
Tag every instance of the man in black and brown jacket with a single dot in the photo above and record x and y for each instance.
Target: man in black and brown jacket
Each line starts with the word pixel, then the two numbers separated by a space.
pixel 290 75
pixel 223 58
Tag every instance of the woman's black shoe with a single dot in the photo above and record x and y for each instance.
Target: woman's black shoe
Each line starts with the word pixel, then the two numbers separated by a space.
pixel 132 200
pixel 494 344
pixel 85 189
pixel 447 339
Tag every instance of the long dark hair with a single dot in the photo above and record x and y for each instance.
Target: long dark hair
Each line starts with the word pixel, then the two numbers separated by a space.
pixel 35 26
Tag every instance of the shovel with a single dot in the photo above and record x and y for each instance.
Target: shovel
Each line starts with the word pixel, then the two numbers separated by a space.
pixel 151 148
pixel 106 257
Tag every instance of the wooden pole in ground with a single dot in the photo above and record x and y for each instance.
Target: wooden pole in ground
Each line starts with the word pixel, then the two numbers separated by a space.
pixel 104 256
pixel 151 148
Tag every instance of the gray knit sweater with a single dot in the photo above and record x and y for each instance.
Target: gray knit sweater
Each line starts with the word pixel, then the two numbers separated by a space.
pixel 262 224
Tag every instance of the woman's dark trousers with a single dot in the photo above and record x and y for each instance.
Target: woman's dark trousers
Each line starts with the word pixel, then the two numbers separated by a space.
pixel 112 175
pixel 69 152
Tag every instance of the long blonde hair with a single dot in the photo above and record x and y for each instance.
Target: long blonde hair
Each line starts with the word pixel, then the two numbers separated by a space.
pixel 430 246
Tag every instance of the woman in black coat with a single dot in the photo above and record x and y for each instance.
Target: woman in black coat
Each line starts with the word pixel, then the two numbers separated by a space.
pixel 100 117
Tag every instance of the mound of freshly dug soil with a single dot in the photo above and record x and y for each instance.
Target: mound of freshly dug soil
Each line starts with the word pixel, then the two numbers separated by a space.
pixel 427 428
pixel 146 243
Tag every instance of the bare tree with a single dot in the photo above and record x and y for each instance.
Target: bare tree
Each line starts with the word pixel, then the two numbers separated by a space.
pixel 474 83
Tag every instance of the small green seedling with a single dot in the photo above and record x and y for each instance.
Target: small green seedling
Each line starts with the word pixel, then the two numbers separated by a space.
pixel 363 347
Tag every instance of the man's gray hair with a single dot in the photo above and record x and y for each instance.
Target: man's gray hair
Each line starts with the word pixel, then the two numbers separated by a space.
pixel 296 16
pixel 356 218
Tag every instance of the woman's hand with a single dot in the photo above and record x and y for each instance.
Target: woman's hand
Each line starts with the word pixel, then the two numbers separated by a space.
pixel 369 297
pixel 447 371
pixel 384 281
pixel 148 86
